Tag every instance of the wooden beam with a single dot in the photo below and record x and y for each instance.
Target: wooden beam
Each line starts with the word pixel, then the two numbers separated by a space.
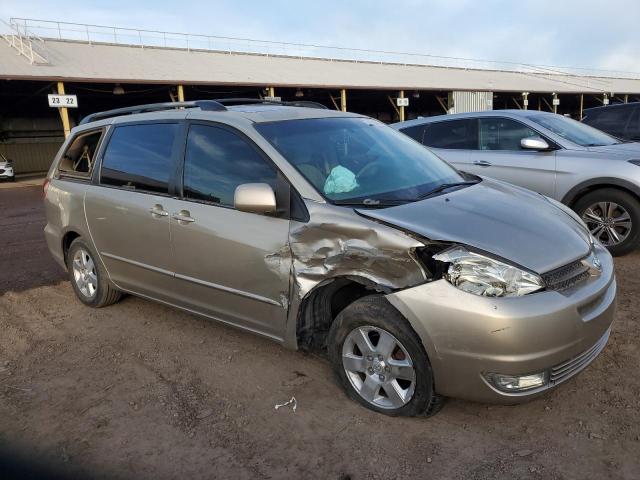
pixel 333 100
pixel 393 104
pixel 442 104
pixel 516 102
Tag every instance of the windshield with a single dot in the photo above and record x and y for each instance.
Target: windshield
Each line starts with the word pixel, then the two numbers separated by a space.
pixel 359 160
pixel 574 131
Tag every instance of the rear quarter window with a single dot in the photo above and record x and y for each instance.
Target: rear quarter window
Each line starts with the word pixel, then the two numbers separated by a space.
pixel 79 157
pixel 452 134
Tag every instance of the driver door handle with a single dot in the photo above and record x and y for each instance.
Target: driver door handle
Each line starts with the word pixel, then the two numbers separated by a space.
pixel 183 217
pixel 482 163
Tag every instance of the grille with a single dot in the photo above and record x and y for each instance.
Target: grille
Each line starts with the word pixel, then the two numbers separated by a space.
pixel 566 276
pixel 569 368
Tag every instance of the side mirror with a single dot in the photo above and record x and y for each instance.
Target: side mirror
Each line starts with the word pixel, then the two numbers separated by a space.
pixel 255 198
pixel 534 143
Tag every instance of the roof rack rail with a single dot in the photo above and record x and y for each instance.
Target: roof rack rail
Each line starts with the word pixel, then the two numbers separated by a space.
pixel 252 101
pixel 209 105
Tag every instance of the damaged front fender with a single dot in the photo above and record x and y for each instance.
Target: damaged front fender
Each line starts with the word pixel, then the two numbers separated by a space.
pixel 338 243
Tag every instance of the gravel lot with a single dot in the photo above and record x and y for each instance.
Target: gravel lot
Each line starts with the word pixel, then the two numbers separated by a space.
pixel 139 390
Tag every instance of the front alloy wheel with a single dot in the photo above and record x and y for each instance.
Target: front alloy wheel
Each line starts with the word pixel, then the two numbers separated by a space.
pixel 609 222
pixel 379 367
pixel 380 360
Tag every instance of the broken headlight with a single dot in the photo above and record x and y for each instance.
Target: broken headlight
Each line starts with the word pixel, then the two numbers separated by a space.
pixel 481 275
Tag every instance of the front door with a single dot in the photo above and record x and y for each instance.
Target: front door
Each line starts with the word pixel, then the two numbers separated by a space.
pixel 229 264
pixel 500 156
pixel 127 213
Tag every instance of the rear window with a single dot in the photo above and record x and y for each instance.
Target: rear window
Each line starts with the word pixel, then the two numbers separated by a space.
pixel 139 157
pixel 79 157
pixel 452 134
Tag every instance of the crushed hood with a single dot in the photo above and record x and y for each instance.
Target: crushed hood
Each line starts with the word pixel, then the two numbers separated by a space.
pixel 499 218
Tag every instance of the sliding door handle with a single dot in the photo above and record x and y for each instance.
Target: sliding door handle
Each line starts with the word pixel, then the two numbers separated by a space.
pixel 183 217
pixel 158 211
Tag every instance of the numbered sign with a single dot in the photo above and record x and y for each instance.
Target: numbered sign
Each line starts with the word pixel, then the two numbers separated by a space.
pixel 402 102
pixel 59 101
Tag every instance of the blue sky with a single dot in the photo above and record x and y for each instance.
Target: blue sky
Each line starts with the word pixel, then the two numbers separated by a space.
pixel 585 33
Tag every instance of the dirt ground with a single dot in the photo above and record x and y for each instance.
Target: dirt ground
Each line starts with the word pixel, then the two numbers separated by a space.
pixel 139 390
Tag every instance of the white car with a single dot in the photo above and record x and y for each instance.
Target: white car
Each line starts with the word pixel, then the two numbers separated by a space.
pixel 6 169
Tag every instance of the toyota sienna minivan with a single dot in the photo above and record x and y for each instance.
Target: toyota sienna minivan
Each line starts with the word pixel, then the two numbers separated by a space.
pixel 322 229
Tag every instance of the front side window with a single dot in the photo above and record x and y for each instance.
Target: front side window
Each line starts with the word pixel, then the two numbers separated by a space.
pixel 79 157
pixel 139 157
pixel 574 131
pixel 217 161
pixel 452 134
pixel 358 160
pixel 502 134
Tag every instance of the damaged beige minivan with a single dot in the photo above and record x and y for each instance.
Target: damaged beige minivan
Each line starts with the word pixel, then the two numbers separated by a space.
pixel 323 229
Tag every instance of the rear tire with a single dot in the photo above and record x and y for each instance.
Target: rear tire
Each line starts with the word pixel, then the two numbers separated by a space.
pixel 398 382
pixel 88 276
pixel 611 213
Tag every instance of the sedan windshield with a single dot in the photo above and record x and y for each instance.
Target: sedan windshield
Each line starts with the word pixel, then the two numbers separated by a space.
pixel 574 131
pixel 359 160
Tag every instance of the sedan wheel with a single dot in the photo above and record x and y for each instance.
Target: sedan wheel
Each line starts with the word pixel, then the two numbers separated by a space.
pixel 378 367
pixel 84 273
pixel 609 222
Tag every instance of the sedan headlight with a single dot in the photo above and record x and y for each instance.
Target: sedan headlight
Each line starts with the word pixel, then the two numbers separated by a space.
pixel 481 275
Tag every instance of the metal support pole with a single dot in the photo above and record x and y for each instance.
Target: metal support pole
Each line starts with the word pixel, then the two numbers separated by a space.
pixel 271 91
pixel 626 98
pixel 64 113
pixel 525 100
pixel 555 102
pixel 401 95
pixel 581 106
pixel 180 93
pixel 343 100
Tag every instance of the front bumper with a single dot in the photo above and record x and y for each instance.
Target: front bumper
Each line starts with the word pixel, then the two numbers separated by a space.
pixel 467 336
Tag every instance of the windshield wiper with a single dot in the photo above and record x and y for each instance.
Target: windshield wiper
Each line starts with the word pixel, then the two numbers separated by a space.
pixel 444 186
pixel 375 202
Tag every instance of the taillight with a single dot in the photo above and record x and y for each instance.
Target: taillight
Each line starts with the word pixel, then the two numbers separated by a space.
pixel 45 186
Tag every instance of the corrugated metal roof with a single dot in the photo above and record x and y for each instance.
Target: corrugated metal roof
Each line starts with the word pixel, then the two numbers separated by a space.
pixel 82 61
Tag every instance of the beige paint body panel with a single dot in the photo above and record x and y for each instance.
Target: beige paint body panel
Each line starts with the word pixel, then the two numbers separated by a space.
pixel 221 268
pixel 467 335
pixel 135 245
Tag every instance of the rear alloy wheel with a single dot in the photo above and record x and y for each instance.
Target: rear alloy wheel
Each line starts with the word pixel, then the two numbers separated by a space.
pixel 88 277
pixel 380 360
pixel 613 217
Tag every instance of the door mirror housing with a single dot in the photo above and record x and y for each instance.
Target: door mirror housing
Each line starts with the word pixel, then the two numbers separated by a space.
pixel 534 143
pixel 255 198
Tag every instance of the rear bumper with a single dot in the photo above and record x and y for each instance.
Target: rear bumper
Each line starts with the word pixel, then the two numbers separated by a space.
pixel 468 337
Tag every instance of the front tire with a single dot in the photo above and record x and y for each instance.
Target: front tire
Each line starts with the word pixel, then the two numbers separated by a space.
pixel 613 217
pixel 380 361
pixel 88 277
